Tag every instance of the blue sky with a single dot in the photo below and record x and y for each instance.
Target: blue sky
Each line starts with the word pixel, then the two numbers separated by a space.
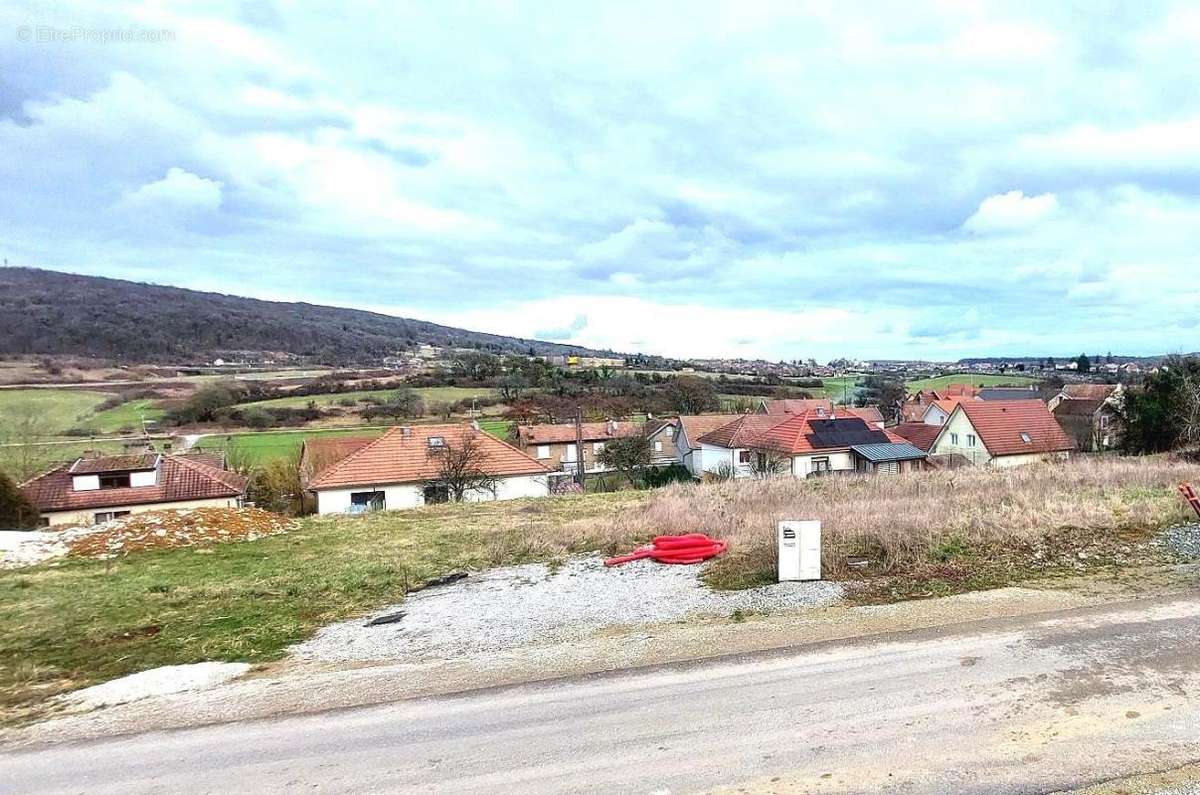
pixel 786 180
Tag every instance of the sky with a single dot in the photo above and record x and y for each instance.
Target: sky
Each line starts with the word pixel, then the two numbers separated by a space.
pixel 782 180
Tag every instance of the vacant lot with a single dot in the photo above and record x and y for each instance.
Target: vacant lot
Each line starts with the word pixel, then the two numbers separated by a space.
pixel 56 409
pixel 84 621
pixel 430 394
pixel 974 379
pixel 257 449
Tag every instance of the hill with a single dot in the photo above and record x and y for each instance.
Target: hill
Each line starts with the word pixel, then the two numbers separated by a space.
pixel 47 312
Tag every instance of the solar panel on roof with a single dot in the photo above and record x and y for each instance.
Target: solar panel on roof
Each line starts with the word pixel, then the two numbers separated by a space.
pixel 844 433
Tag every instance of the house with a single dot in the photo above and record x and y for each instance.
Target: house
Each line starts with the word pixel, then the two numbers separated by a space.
pixel 1087 392
pixel 914 409
pixel 919 434
pixel 96 489
pixel 404 468
pixel 679 437
pixel 554 445
pixel 938 410
pixel 803 445
pixel 1094 424
pixel 823 407
pixel 1002 433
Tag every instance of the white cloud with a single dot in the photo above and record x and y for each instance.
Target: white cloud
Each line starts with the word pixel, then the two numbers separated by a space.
pixel 1011 211
pixel 178 193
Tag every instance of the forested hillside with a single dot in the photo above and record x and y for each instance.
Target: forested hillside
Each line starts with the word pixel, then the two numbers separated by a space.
pixel 46 312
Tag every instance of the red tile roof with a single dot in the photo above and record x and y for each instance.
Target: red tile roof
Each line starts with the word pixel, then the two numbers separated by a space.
pixel 180 479
pixel 797 434
pixel 132 462
pixel 918 433
pixel 796 405
pixel 1089 391
pixel 870 414
pixel 696 425
pixel 955 390
pixel 403 455
pixel 321 452
pixel 1000 425
pixel 565 432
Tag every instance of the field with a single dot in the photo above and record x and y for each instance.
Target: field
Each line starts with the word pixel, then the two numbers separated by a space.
pixel 56 409
pixel 125 416
pixel 80 622
pixel 261 448
pixel 430 394
pixel 974 379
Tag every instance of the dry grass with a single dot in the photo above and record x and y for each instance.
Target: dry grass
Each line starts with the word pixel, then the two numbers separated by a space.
pixel 903 523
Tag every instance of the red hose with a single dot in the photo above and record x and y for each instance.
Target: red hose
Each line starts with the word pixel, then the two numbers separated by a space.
pixel 684 549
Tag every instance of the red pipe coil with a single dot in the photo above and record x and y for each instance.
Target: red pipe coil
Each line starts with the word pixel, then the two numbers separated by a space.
pixel 684 549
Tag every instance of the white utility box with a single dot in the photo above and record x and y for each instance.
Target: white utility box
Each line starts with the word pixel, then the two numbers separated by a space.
pixel 799 550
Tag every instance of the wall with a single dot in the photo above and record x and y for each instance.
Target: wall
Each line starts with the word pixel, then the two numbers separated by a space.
pixel 558 455
pixel 398 496
pixel 666 436
pixel 82 518
pixel 802 465
pixel 962 426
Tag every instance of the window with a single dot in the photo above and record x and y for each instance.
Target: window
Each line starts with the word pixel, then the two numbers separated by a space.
pixel 658 447
pixel 597 447
pixel 437 441
pixel 970 440
pixel 569 454
pixel 743 456
pixel 108 516
pixel 954 438
pixel 367 501
pixel 820 465
pixel 436 493
pixel 44 521
pixel 118 480
pixel 1025 438
pixel 543 451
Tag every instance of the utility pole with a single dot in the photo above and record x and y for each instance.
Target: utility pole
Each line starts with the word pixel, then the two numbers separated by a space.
pixel 579 477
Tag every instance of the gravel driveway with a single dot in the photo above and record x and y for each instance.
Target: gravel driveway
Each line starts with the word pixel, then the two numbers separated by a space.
pixel 519 606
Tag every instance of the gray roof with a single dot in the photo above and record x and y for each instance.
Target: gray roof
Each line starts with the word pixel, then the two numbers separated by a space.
pixel 889 451
pixel 1007 393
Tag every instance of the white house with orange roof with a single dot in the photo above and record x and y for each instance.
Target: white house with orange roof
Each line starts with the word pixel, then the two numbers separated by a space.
pixel 402 469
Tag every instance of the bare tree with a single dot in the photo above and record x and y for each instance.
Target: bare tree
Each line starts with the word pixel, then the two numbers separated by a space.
pixel 629 455
pixel 23 452
pixel 769 463
pixel 462 468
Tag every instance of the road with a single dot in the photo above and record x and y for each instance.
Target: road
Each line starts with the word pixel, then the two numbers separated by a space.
pixel 1028 704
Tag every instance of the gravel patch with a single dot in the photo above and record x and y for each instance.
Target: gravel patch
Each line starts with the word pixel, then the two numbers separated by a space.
pixel 155 682
pixel 1183 540
pixel 519 606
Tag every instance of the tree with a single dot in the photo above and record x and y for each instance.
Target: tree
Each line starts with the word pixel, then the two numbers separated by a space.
pixel 1165 413
pixel 769 463
pixel 512 385
pixel 461 468
pixel 23 431
pixel 1082 363
pixel 889 394
pixel 689 394
pixel 16 512
pixel 276 486
pixel 629 455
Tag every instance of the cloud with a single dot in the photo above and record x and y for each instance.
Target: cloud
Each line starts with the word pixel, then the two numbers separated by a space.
pixel 793 181
pixel 567 332
pixel 1011 211
pixel 179 193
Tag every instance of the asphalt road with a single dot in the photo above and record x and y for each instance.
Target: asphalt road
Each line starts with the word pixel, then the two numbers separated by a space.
pixel 1014 705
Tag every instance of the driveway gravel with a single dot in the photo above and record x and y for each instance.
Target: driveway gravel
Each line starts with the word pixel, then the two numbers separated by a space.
pixel 520 606
pixel 1183 540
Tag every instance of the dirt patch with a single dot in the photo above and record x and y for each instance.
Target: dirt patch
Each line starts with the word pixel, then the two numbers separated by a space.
pixel 173 529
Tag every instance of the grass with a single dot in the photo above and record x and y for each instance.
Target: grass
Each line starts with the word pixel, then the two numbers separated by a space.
pixel 81 622
pixel 125 416
pixel 261 448
pixel 498 428
pixel 430 394
pixel 974 379
pixel 57 409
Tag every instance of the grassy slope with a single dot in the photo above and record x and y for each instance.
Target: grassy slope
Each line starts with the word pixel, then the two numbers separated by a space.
pixel 430 394
pixel 60 409
pixel 974 379
pixel 127 415
pixel 84 621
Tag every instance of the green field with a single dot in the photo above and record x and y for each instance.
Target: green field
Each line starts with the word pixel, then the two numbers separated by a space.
pixel 430 394
pixel 127 415
pixel 261 448
pixel 497 428
pixel 55 409
pixel 974 379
